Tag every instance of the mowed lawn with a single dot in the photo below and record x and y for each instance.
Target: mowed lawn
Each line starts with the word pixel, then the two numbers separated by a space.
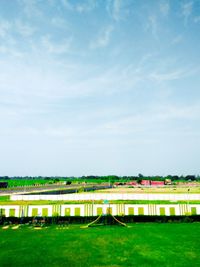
pixel 142 244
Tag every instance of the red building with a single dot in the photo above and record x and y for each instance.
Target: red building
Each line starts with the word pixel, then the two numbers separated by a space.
pixel 157 183
pixel 146 182
pixel 152 183
pixel 133 183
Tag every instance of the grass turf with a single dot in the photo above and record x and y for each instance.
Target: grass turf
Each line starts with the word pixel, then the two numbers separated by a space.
pixel 5 200
pixel 144 244
pixel 154 190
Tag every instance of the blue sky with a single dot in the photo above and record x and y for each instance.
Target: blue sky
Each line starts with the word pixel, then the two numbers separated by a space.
pixel 99 87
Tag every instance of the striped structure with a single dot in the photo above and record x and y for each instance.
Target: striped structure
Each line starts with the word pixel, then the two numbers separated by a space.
pixel 97 209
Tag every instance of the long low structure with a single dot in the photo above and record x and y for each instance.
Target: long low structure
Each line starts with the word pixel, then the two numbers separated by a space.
pixel 98 209
pixel 108 196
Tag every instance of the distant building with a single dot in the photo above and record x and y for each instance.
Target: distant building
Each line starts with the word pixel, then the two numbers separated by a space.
pixel 157 183
pixel 152 183
pixel 168 181
pixel 133 183
pixel 146 182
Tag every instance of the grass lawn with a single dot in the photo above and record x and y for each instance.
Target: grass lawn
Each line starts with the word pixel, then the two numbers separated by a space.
pixel 5 200
pixel 143 244
pixel 25 182
pixel 56 202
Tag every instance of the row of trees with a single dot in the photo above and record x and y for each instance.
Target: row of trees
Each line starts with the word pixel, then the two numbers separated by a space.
pixel 107 178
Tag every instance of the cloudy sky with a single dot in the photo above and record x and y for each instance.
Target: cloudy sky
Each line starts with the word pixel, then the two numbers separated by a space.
pixel 99 87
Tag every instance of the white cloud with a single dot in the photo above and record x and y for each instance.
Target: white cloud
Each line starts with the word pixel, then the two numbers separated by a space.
pixel 152 25
pixel 59 22
pixel 67 4
pixel 31 8
pixel 164 8
pixel 176 74
pixel 186 10
pixel 114 8
pixel 10 44
pixel 56 47
pixel 5 26
pixel 179 112
pixel 106 82
pixel 8 29
pixel 24 29
pixel 168 76
pixel 83 7
pixel 178 39
pixel 103 38
pixel 3 49
pixel 11 51
pixel 197 19
pixel 86 7
pixel 156 120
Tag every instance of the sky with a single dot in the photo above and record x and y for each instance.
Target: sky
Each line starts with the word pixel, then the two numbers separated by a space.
pixel 98 87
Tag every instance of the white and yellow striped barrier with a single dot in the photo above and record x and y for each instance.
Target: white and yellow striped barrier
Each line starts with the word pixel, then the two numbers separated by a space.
pixel 97 209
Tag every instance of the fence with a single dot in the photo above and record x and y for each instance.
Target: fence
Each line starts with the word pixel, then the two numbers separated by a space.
pixel 85 210
pixel 108 196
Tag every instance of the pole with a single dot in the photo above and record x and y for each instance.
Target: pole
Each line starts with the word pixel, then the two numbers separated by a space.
pixel 188 199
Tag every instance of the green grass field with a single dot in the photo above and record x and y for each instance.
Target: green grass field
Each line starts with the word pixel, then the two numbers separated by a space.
pixel 155 190
pixel 25 182
pixel 5 200
pixel 144 244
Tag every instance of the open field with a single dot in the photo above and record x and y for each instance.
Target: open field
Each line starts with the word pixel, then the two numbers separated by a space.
pixel 144 190
pixel 142 244
pixel 4 200
pixel 25 182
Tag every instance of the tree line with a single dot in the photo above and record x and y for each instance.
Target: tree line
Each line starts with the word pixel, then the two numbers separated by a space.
pixel 106 178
